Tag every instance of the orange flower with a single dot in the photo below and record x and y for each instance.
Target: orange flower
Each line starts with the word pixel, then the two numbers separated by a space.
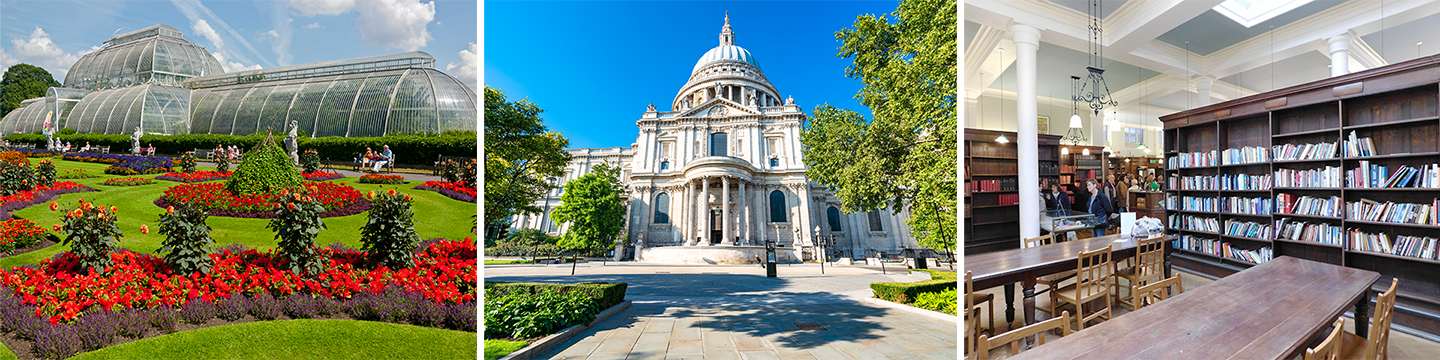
pixel 170 210
pixel 284 192
pixel 407 197
pixel 370 195
pixel 57 227
pixel 391 192
pixel 54 206
pixel 144 229
pixel 85 206
pixel 290 206
pixel 113 209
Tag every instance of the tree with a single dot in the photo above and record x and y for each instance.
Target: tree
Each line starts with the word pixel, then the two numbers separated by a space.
pixel 906 155
pixel 520 157
pixel 21 82
pixel 591 204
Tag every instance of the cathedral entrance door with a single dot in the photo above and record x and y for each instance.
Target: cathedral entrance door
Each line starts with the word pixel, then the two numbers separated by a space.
pixel 717 229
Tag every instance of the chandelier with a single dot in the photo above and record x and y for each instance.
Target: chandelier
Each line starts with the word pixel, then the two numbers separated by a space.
pixel 1093 90
pixel 1075 135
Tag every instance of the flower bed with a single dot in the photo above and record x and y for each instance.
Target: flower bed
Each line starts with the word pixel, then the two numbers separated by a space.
pixel 198 176
pixel 322 176
pixel 76 174
pixel 96 157
pixel 140 165
pixel 127 181
pixel 19 234
pixel 444 272
pixel 337 198
pixel 454 190
pixel 41 194
pixel 38 153
pixel 381 179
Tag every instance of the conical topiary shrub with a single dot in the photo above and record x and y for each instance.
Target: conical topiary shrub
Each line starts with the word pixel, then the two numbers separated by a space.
pixel 265 169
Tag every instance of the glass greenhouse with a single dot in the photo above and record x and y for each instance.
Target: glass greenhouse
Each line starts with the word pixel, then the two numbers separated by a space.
pixel 156 79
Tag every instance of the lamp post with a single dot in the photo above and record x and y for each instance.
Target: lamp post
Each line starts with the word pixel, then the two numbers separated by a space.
pixel 821 244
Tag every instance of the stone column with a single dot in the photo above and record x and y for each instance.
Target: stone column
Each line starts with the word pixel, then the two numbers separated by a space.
pixel 1027 42
pixel 688 230
pixel 704 211
pixel 1340 53
pixel 745 215
pixel 725 211
pixel 806 215
pixel 1203 84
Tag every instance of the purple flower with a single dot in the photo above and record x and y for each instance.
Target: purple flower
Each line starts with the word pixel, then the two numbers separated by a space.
pixel 234 307
pixel 198 311
pixel 264 307
pixel 301 306
pixel 461 317
pixel 163 318
pixel 96 328
pixel 131 323
pixel 57 342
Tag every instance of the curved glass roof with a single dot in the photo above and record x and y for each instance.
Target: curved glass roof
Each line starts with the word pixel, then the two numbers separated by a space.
pixel 29 117
pixel 362 104
pixel 156 109
pixel 154 55
pixel 366 64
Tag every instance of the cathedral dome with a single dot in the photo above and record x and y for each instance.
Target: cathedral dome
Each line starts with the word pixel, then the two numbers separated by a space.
pixel 726 52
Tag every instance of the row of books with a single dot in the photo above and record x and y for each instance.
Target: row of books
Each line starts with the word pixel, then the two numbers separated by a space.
pixel 1377 176
pixel 1328 177
pixel 1392 212
pixel 1223 249
pixel 1322 150
pixel 1245 205
pixel 1244 182
pixel 1320 232
pixel 978 166
pixel 1190 203
pixel 1245 155
pixel 1049 168
pixel 1308 205
pixel 1358 147
pixel 1198 182
pixel 1197 223
pixel 1007 199
pixel 1191 159
pixel 1403 245
pixel 1068 169
pixel 993 185
pixel 1247 229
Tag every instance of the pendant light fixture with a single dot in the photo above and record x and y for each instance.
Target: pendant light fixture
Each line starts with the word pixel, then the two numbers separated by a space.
pixel 1093 90
pixel 1074 135
pixel 1001 139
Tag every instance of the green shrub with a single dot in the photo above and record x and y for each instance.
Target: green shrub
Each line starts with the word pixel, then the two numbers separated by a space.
pixel 45 173
pixel 91 233
pixel 606 294
pixel 524 316
pixel 187 163
pixel 409 149
pixel 187 245
pixel 310 161
pixel 906 292
pixel 296 224
pixel 222 163
pixel 937 274
pixel 943 301
pixel 266 169
pixel 15 177
pixel 389 235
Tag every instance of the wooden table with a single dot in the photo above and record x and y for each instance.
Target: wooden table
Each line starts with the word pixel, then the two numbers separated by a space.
pixel 1266 312
pixel 1005 268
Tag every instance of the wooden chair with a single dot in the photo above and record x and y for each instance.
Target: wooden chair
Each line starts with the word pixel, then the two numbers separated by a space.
pixel 1093 276
pixel 1330 348
pixel 972 317
pixel 1050 281
pixel 1150 294
pixel 1376 346
pixel 1149 265
pixel 972 299
pixel 1014 338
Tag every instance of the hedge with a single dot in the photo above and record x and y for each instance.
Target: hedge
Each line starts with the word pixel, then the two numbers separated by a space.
pixel 408 149
pixel 907 292
pixel 937 274
pixel 606 294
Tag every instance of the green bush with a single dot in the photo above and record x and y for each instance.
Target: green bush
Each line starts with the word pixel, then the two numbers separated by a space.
pixel 296 224
pixel 937 274
pixel 409 149
pixel 525 316
pixel 222 163
pixel 187 163
pixel 904 293
pixel 187 245
pixel 310 161
pixel 606 294
pixel 45 173
pixel 389 235
pixel 91 233
pixel 943 301
pixel 266 169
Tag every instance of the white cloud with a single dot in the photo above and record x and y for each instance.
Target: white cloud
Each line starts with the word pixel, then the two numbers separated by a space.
pixel 270 33
pixel 231 66
pixel 195 11
pixel 40 51
pixel 468 66
pixel 322 7
pixel 313 26
pixel 437 23
pixel 203 29
pixel 396 24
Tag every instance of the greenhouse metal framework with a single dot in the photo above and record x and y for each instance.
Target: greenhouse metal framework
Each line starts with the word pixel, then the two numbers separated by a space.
pixel 157 80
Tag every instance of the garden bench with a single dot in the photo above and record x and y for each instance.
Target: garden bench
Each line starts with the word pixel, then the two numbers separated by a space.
pixel 103 149
pixel 201 154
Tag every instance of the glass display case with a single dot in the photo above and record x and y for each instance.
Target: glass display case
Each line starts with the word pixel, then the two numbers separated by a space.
pixel 1065 220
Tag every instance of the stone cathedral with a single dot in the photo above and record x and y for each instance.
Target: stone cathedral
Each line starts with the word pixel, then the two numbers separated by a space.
pixel 722 172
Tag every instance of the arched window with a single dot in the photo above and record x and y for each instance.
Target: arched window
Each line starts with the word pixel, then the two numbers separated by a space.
pixel 774 162
pixel 718 144
pixel 833 215
pixel 662 208
pixel 664 165
pixel 875 221
pixel 777 206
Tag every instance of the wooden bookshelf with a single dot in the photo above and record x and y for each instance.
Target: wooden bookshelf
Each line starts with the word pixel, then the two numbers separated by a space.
pixel 989 224
pixel 1394 106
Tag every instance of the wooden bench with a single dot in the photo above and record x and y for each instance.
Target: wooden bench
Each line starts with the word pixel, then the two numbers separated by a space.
pixel 102 149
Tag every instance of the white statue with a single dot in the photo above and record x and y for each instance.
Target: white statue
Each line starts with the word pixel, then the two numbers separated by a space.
pixel 650 108
pixel 790 100
pixel 290 146
pixel 135 141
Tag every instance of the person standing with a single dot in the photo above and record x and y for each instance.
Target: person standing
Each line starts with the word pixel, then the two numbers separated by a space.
pixel 1099 206
pixel 1081 197
pixel 1057 192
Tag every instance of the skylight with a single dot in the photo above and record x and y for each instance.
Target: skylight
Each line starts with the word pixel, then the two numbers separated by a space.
pixel 1253 12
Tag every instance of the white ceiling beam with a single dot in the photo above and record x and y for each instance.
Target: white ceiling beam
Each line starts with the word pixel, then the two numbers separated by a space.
pixel 1140 21
pixel 1362 56
pixel 978 56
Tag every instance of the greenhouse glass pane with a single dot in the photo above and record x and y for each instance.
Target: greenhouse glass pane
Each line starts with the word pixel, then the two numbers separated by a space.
pixel 456 103
pixel 413 109
pixel 202 110
pixel 162 58
pixel 304 108
pixel 63 114
pixel 134 108
pixel 368 117
pixel 335 108
pixel 147 57
pixel 82 111
pixel 273 115
pixel 106 112
pixel 248 115
pixel 224 122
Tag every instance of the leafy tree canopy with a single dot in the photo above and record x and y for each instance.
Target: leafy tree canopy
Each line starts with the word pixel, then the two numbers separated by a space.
pixel 520 157
pixel 23 81
pixel 906 154
pixel 592 206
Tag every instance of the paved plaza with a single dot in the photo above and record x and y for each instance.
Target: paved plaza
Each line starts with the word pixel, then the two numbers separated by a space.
pixel 735 312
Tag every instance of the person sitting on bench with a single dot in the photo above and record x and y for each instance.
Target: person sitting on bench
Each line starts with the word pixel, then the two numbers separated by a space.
pixel 383 158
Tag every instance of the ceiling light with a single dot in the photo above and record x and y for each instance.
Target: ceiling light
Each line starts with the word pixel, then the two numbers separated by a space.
pixel 1064 150
pixel 1253 12
pixel 1002 139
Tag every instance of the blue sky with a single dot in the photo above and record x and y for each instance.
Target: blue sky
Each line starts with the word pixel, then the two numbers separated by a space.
pixel 593 66
pixel 247 34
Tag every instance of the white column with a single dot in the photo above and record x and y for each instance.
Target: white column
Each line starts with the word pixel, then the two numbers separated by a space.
pixel 688 229
pixel 1027 42
pixel 704 212
pixel 1340 53
pixel 725 211
pixel 805 222
pixel 745 214
pixel 1204 84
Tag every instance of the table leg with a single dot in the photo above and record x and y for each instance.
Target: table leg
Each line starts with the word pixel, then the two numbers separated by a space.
pixel 1029 290
pixel 1362 315
pixel 1009 304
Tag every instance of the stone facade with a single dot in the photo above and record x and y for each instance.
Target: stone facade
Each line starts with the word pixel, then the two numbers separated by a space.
pixel 725 168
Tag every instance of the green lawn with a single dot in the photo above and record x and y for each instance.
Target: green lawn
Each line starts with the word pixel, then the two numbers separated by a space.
pixel 300 339
pixel 5 353
pixel 435 216
pixel 495 348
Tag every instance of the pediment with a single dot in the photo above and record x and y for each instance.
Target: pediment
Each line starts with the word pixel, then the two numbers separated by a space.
pixel 718 107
